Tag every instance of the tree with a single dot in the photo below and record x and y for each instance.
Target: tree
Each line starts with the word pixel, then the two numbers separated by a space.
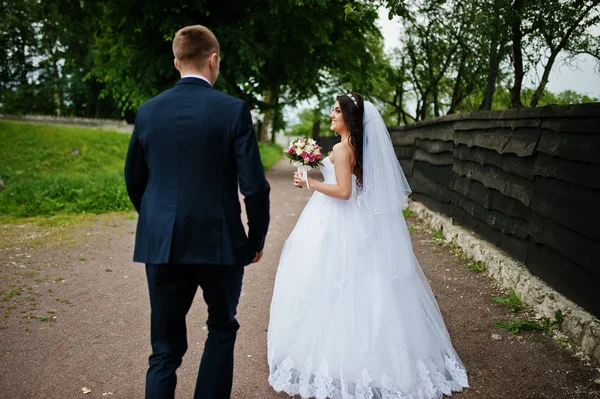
pixel 559 25
pixel 296 63
pixel 45 46
pixel 524 33
pixel 304 128
pixel 273 52
pixel 442 58
pixel 502 99
pixel 17 54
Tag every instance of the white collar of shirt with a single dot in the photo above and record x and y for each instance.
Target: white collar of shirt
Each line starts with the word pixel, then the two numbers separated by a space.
pixel 197 77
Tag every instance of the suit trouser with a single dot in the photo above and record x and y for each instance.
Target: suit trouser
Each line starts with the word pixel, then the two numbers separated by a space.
pixel 172 289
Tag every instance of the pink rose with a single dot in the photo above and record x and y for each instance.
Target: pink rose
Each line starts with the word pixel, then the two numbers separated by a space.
pixel 304 154
pixel 311 157
pixel 291 150
pixel 318 157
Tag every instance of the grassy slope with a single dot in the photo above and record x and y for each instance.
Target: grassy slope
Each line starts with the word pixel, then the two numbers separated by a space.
pixel 43 176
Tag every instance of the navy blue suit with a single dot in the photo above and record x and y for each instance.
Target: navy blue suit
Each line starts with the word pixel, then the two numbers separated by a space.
pixel 190 148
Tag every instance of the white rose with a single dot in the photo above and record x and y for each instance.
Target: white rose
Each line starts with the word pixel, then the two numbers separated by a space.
pixel 299 151
pixel 306 160
pixel 317 151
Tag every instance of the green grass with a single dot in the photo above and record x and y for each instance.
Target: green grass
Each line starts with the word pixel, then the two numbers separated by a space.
pixel 545 324
pixel 514 327
pixel 438 235
pixel 44 176
pixel 270 154
pixel 476 266
pixel 512 300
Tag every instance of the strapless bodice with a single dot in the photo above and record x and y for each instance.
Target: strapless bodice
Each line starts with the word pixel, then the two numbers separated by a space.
pixel 328 172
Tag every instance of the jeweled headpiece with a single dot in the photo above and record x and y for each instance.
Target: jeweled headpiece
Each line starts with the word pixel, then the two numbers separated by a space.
pixel 353 99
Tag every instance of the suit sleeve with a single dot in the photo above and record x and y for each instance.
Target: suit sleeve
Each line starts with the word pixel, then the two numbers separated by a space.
pixel 136 171
pixel 253 184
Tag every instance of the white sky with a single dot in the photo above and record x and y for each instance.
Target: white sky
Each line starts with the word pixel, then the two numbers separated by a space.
pixel 581 78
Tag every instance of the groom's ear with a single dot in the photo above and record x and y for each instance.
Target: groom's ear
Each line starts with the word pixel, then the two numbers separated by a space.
pixel 176 63
pixel 212 60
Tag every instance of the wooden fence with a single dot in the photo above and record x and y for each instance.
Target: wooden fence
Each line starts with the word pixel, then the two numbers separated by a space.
pixel 526 180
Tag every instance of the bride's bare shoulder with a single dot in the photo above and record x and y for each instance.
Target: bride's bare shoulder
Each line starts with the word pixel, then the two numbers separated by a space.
pixel 341 151
pixel 341 148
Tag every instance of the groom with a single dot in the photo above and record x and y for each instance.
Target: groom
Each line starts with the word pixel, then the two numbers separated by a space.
pixel 190 146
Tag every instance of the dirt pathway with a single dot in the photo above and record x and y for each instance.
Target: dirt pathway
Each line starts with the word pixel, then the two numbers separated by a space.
pixel 75 314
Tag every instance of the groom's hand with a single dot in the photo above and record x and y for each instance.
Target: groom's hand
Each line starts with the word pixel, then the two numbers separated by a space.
pixel 258 256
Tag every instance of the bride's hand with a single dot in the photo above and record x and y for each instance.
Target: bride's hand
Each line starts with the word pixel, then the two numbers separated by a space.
pixel 298 182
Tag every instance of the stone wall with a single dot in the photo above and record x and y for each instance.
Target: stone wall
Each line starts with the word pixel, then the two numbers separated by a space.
pixel 106 124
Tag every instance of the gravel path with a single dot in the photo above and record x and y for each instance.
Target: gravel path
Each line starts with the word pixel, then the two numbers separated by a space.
pixel 75 314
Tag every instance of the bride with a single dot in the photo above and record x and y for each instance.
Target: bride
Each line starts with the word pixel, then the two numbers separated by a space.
pixel 352 314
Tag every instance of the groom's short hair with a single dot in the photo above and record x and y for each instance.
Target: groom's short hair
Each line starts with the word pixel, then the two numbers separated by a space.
pixel 194 44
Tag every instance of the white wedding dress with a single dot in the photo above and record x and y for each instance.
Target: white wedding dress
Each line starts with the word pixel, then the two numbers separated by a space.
pixel 352 314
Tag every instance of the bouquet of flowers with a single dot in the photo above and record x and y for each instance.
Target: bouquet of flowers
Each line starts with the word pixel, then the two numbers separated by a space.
pixel 304 154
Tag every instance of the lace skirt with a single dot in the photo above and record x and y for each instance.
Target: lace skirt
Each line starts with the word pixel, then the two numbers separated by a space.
pixel 352 314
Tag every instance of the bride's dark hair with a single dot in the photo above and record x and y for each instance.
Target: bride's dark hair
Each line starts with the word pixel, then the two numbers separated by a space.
pixel 353 107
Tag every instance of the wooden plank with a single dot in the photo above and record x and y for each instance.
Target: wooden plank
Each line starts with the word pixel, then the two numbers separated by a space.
pixel 439 174
pixel 420 182
pixel 574 146
pixel 442 131
pixel 580 173
pixel 439 159
pixel 403 138
pixel 489 198
pixel 511 244
pixel 404 152
pixel 575 247
pixel 497 220
pixel 512 124
pixel 511 163
pixel 432 204
pixel 406 135
pixel 327 143
pixel 568 278
pixel 407 167
pixel 570 124
pixel 493 177
pixel 435 146
pixel 574 207
pixel 521 142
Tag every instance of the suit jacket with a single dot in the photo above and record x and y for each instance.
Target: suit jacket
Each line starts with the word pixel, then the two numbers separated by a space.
pixel 190 146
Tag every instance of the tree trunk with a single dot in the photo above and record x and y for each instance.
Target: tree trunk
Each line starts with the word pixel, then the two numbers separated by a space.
pixel 424 109
pixel 542 86
pixel 258 129
pixel 517 37
pixel 264 134
pixel 499 58
pixel 491 82
pixel 456 91
pixel 59 89
pixel 276 112
pixel 316 130
pixel 399 108
pixel 436 101
pixel 554 52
